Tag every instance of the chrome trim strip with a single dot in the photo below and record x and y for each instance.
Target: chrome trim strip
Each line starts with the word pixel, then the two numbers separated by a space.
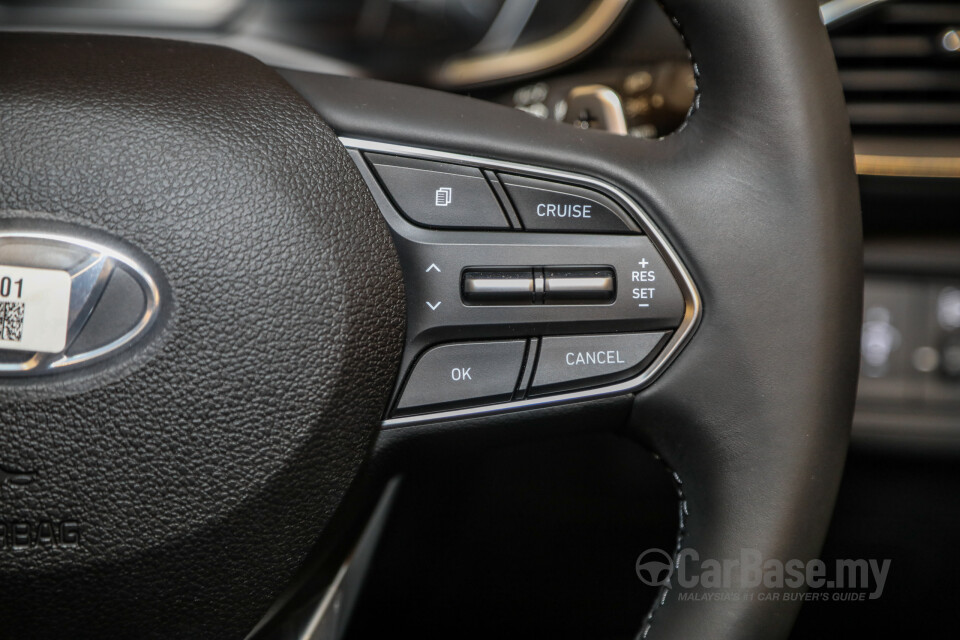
pixel 107 258
pixel 681 336
pixel 836 11
pixel 562 47
pixel 507 26
pixel 332 614
pixel 498 286
pixel 907 166
pixel 594 286
pixel 90 277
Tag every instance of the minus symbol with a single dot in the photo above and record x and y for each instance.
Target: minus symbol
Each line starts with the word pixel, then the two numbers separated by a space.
pixel 643 305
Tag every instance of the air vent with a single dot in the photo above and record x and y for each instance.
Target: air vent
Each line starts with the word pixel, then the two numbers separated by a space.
pixel 900 68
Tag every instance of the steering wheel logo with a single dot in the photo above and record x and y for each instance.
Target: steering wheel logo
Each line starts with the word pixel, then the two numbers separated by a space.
pixel 655 568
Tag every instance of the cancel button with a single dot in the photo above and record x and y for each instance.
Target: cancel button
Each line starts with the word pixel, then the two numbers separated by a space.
pixel 572 362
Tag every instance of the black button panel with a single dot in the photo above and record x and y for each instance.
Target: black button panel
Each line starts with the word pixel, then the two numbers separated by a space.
pixel 646 296
pixel 438 194
pixel 477 373
pixel 545 205
pixel 444 195
pixel 524 286
pixel 464 374
pixel 539 285
pixel 569 362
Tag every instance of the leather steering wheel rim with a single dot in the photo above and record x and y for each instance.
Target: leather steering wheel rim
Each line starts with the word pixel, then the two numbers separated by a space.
pixel 756 193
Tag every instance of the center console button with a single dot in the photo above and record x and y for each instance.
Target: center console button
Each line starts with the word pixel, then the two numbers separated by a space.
pixel 568 362
pixel 464 374
pixel 552 206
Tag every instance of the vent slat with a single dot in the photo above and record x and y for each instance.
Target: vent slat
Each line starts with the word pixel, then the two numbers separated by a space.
pixel 911 13
pixel 897 69
pixel 882 47
pixel 904 113
pixel 905 80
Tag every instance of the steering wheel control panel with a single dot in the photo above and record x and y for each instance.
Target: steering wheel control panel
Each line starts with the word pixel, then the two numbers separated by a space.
pixel 539 285
pixel 525 286
pixel 424 191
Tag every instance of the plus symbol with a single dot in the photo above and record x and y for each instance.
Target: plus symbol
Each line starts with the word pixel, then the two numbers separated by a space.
pixel 643 263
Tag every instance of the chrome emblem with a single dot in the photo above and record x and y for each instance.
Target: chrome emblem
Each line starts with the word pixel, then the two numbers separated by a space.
pixel 68 301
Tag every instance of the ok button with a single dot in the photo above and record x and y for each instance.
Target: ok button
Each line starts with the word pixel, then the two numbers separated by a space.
pixel 463 374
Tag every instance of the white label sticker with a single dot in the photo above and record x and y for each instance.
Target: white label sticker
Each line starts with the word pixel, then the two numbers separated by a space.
pixel 34 309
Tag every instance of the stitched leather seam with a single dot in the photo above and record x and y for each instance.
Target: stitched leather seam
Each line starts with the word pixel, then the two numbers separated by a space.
pixel 696 70
pixel 684 513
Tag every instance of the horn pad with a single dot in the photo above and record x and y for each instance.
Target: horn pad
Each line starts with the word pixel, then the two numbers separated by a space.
pixel 177 497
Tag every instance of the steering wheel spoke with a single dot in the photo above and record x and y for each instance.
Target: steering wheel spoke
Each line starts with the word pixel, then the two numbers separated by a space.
pixel 756 198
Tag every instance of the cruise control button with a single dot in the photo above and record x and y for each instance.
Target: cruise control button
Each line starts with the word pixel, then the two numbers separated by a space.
pixel 464 374
pixel 568 362
pixel 438 194
pixel 550 206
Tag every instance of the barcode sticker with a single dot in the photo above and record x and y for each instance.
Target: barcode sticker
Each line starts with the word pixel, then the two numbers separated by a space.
pixel 34 309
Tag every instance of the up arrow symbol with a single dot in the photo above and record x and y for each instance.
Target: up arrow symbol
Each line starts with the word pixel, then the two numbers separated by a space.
pixel 433 267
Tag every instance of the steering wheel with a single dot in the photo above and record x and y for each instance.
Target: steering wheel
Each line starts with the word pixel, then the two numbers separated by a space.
pixel 242 290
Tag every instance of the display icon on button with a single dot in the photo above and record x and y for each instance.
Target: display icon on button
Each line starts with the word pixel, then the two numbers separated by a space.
pixel 444 196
